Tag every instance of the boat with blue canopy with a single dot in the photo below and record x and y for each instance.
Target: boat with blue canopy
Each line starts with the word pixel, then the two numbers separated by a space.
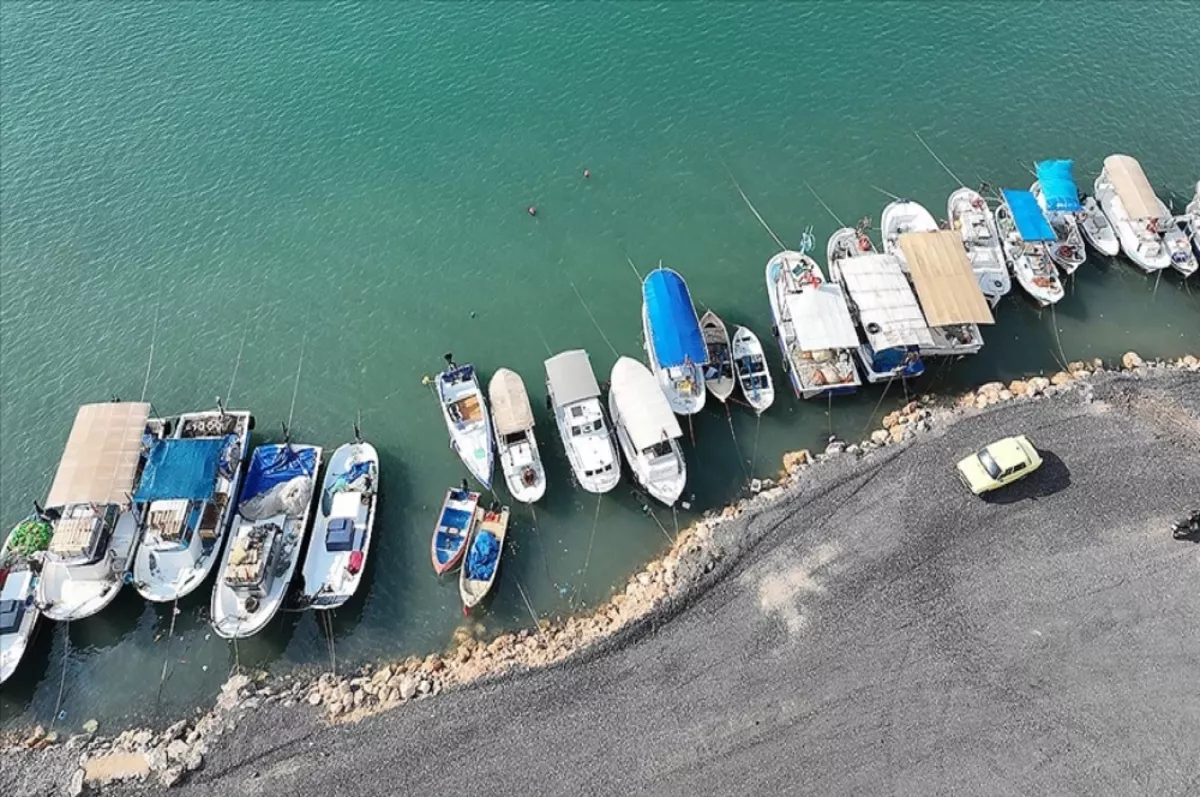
pixel 1025 233
pixel 674 342
pixel 187 489
pixel 482 563
pixel 1058 196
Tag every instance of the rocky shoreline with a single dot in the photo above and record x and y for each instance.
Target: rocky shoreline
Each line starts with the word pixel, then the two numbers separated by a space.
pixel 699 554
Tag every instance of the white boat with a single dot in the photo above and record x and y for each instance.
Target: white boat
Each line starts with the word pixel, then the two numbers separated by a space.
pixel 574 397
pixel 466 416
pixel 812 323
pixel 647 430
pixel 1031 265
pixel 674 342
pixel 268 534
pixel 96 526
pixel 342 528
pixel 1132 207
pixel 948 291
pixel 1058 197
pixel 1097 229
pixel 1177 243
pixel 481 562
pixel 971 217
pixel 882 302
pixel 719 378
pixel 188 490
pixel 900 217
pixel 512 419
pixel 1193 220
pixel 753 375
pixel 19 561
pixel 848 242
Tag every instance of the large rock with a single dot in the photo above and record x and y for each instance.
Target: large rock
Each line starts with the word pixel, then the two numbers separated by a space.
pixel 991 388
pixel 880 437
pixel 408 687
pixel 896 433
pixel 177 750
pixel 1131 360
pixel 1061 378
pixel 1018 387
pixel 794 460
pixel 1038 385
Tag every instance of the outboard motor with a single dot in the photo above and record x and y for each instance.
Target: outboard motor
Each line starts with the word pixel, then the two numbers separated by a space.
pixel 1189 526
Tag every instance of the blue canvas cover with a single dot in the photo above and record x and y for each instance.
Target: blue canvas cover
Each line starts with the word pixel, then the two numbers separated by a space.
pixel 181 469
pixel 276 464
pixel 483 556
pixel 673 324
pixel 1027 214
pixel 1059 191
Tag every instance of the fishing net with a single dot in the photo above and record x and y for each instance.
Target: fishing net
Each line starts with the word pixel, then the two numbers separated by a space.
pixel 290 498
pixel 29 537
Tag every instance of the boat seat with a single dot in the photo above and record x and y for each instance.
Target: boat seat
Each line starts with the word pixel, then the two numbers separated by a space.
pixel 339 536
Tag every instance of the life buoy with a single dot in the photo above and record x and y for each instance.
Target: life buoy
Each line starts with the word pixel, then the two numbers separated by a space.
pixel 864 243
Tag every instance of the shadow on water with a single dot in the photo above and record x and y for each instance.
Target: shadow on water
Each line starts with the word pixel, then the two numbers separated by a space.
pixel 1052 477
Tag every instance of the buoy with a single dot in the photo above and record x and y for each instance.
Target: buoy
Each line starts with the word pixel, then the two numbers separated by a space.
pixel 533 210
pixel 472 314
pixel 425 380
pixel 587 173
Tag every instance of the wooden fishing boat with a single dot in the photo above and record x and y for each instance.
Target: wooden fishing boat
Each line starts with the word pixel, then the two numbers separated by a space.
pixel 455 521
pixel 750 363
pixel 971 217
pixel 512 419
pixel 718 373
pixel 900 217
pixel 1067 249
pixel 467 419
pixel 1097 229
pixel 1024 233
pixel 482 561
pixel 18 585
pixel 1175 241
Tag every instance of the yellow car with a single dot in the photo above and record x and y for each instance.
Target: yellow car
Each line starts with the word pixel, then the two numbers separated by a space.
pixel 1003 462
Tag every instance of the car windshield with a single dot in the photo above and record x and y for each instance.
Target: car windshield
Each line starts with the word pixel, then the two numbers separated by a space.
pixel 989 464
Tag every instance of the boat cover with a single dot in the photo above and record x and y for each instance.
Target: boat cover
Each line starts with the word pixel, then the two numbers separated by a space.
pixel 571 378
pixel 946 285
pixel 483 556
pixel 644 410
pixel 277 464
pixel 674 328
pixel 822 319
pixel 1059 191
pixel 885 302
pixel 1131 185
pixel 510 403
pixel 181 470
pixel 99 463
pixel 1027 215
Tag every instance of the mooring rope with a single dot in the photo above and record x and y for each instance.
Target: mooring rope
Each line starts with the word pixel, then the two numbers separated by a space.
pixel 754 452
pixel 753 210
pixel 632 266
pixel 62 682
pixel 587 559
pixel 296 386
pixel 882 396
pixel 236 364
pixel 650 511
pixel 541 543
pixel 737 448
pixel 827 209
pixel 537 628
pixel 936 158
pixel 150 360
pixel 1057 339
pixel 596 323
pixel 162 678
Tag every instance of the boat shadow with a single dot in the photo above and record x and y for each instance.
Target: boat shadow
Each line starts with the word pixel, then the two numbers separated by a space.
pixel 1051 478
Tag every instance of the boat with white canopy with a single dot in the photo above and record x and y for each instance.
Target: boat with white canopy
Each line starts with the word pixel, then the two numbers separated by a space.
pixel 1133 208
pixel 893 326
pixel 188 491
pixel 1058 197
pixel 512 419
pixel 1097 229
pixel 19 567
pixel 467 419
pixel 754 376
pixel 972 218
pixel 674 342
pixel 96 522
pixel 718 374
pixel 574 397
pixel 948 291
pixel 268 533
pixel 343 526
pixel 900 217
pixel 647 430
pixel 813 326
pixel 1025 233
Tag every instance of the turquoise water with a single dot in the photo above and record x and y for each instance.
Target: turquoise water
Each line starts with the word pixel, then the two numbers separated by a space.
pixel 353 181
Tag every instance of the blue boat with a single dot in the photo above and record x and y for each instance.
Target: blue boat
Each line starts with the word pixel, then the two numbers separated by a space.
pixel 453 529
pixel 1024 233
pixel 674 342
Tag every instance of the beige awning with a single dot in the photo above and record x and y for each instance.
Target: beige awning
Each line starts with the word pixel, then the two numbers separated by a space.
pixel 510 403
pixel 946 285
pixel 100 462
pixel 1131 185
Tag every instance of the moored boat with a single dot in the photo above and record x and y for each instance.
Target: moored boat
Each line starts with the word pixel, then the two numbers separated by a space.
pixel 753 374
pixel 268 534
pixel 647 430
pixel 19 566
pixel 574 397
pixel 188 490
pixel 849 242
pixel 1097 229
pixel 674 342
pixel 482 561
pixel 455 521
pixel 948 292
pixel 1177 244
pixel 1058 197
pixel 467 420
pixel 342 528
pixel 1133 208
pixel 512 420
pixel 718 374
pixel 972 218
pixel 1193 220
pixel 813 326
pixel 1024 233
pixel 900 217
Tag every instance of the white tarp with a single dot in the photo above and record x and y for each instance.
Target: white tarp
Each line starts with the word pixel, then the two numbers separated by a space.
pixel 100 460
pixel 821 319
pixel 643 408
pixel 510 404
pixel 885 302
pixel 571 378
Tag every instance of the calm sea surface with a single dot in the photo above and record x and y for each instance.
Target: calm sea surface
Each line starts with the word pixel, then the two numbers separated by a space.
pixel 354 180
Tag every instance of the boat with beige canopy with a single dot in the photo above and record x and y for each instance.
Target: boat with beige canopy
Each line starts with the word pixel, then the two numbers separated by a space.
pixel 512 420
pixel 948 291
pixel 1134 210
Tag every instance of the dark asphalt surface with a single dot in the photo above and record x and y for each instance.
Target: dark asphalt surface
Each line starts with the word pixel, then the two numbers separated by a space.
pixel 886 634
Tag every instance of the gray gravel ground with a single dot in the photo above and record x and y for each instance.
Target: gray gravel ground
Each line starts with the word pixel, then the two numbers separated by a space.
pixel 886 634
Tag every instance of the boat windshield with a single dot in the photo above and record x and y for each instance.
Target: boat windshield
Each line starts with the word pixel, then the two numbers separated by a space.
pixel 989 464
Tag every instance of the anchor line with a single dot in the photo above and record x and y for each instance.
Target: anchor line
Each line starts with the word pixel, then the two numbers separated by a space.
pixel 162 678
pixel 754 451
pixel 537 532
pixel 887 193
pixel 150 360
pixel 587 559
pixel 1057 339
pixel 537 627
pixel 871 417
pixel 62 682
pixel 632 266
pixel 737 448
pixel 596 323
pixel 661 527
pixel 296 386
pixel 753 210
pixel 827 209
pixel 236 364
pixel 939 160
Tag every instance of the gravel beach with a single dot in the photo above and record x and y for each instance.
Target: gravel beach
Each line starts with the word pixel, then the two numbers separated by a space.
pixel 882 632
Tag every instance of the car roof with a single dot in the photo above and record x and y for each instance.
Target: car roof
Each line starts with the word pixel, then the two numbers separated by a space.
pixel 1008 453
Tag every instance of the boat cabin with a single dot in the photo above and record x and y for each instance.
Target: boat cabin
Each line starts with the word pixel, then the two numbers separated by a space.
pixel 574 396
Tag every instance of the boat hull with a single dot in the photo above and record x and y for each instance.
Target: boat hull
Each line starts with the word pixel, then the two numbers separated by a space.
pixel 447 552
pixel 755 382
pixel 683 401
pixel 470 439
pixel 971 216
pixel 1098 230
pixel 67 593
pixel 665 490
pixel 20 585
pixel 1150 259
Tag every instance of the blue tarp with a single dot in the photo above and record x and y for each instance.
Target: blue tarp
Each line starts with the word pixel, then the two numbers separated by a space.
pixel 673 324
pixel 1027 214
pixel 343 480
pixel 1059 191
pixel 276 464
pixel 483 556
pixel 181 469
